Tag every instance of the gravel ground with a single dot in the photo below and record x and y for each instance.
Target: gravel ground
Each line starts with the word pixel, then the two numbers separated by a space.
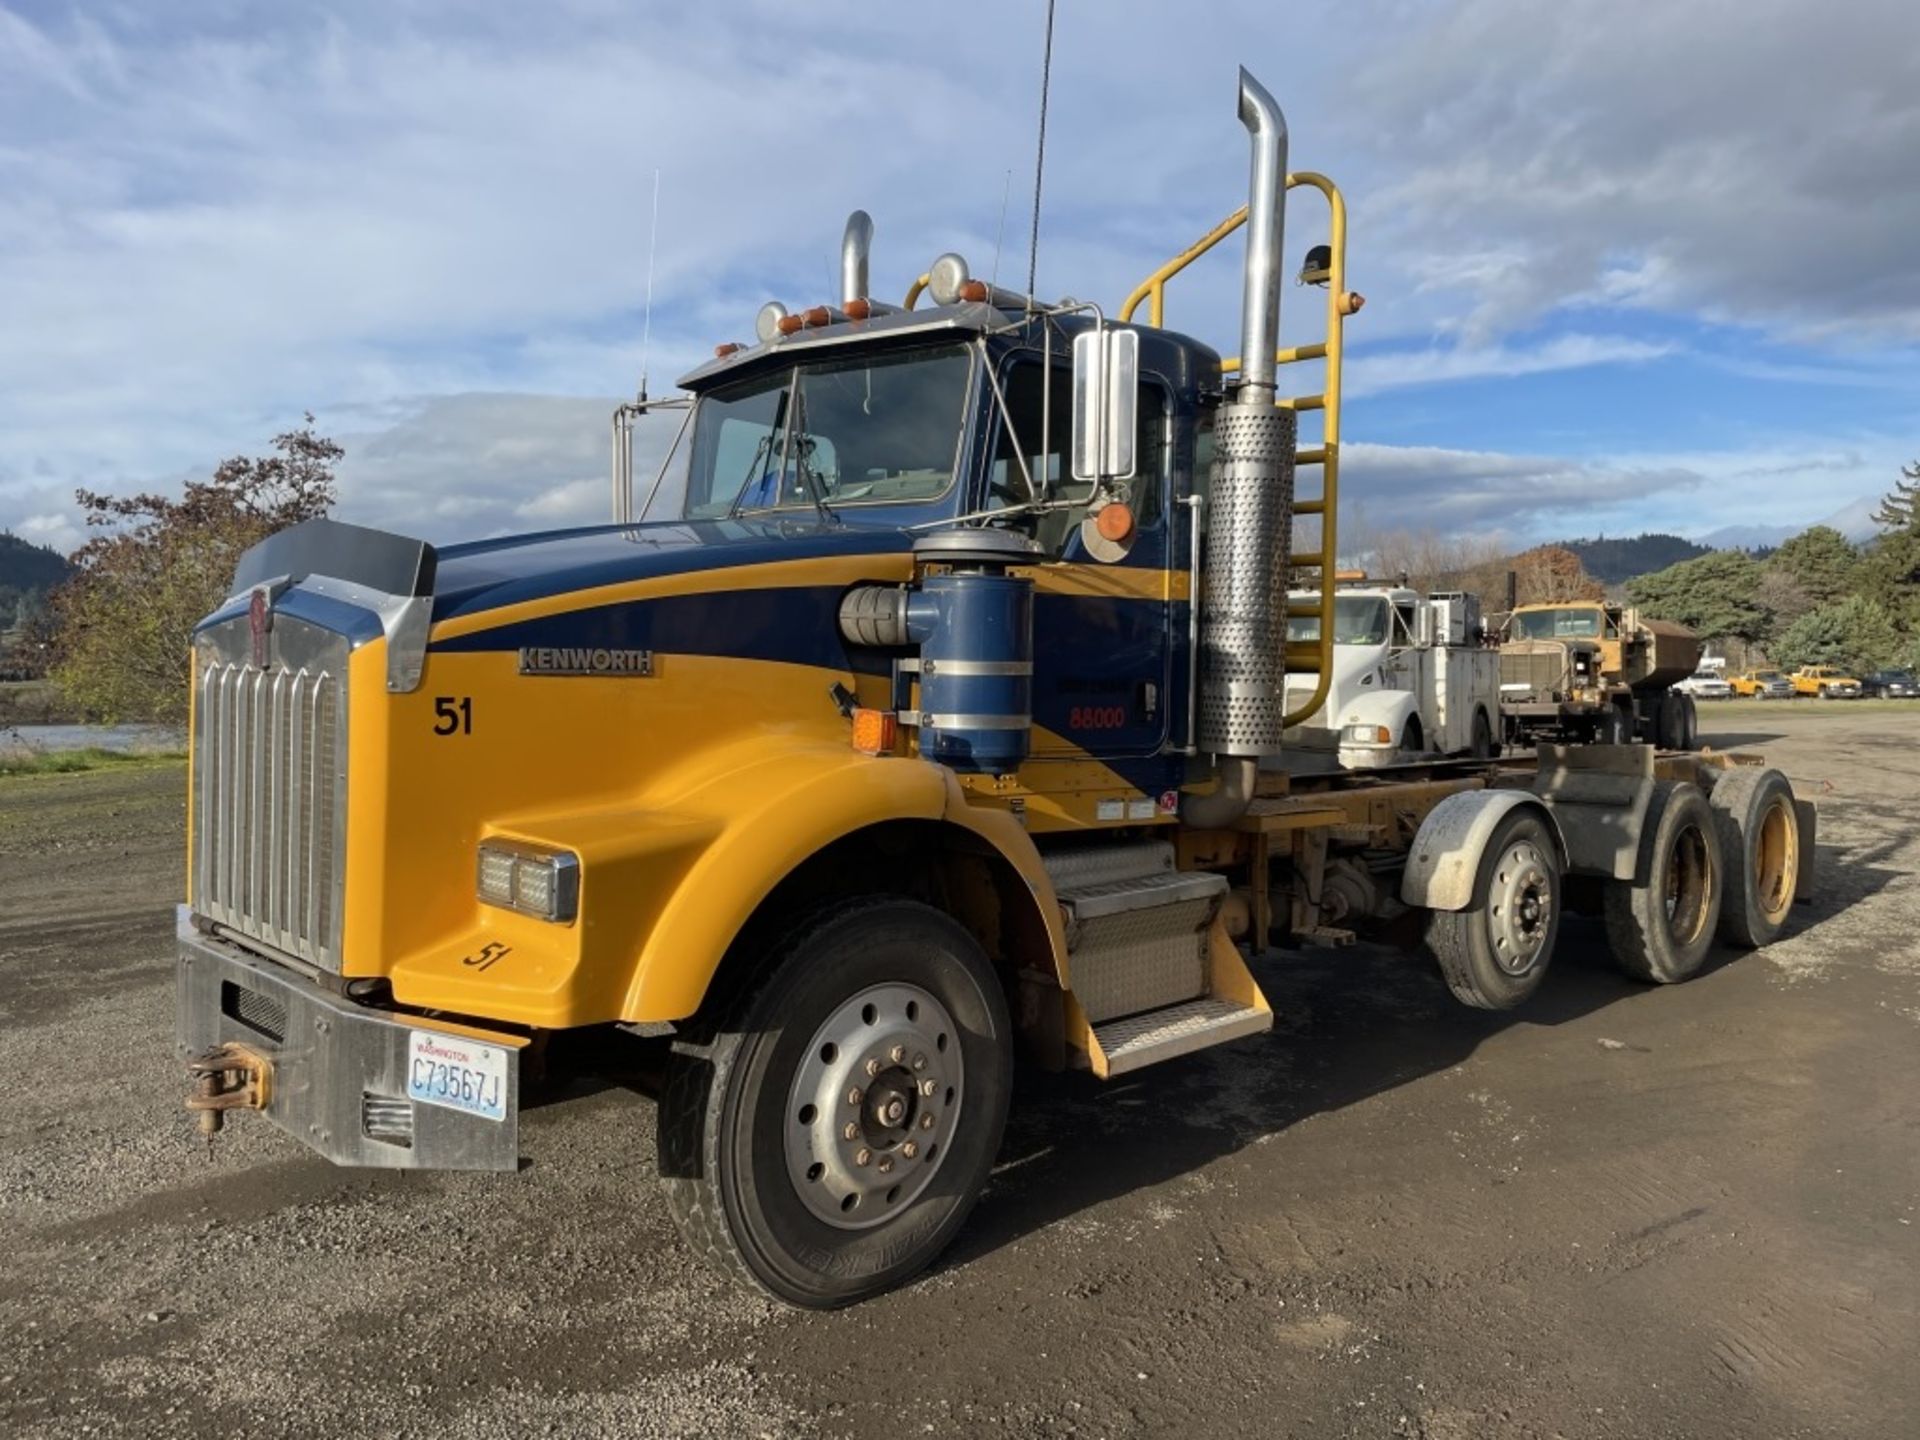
pixel 1620 1212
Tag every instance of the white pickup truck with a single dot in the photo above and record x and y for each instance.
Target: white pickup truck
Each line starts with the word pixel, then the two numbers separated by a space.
pixel 1411 678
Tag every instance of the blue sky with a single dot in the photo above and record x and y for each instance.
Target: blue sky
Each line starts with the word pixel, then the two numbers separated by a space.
pixel 1629 265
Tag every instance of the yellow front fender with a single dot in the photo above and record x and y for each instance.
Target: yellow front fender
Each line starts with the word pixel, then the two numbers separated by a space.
pixel 664 891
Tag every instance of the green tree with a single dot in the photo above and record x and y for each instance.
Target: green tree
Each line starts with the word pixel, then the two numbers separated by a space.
pixel 1821 561
pixel 123 623
pixel 1900 507
pixel 1856 634
pixel 1890 573
pixel 1716 596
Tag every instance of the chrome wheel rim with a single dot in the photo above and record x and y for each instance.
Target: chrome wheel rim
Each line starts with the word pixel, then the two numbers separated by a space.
pixel 873 1106
pixel 1520 909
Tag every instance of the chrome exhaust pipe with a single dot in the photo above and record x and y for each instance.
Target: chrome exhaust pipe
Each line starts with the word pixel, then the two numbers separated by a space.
pixel 1243 605
pixel 856 245
pixel 1266 233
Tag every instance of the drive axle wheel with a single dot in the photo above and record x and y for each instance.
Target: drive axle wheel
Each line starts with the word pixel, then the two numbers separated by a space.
pixel 1759 836
pixel 1494 953
pixel 1661 930
pixel 829 1139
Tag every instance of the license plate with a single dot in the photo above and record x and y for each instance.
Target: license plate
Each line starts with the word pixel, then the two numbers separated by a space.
pixel 458 1074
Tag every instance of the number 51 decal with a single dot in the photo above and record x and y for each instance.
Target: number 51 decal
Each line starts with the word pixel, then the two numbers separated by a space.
pixel 452 716
pixel 491 951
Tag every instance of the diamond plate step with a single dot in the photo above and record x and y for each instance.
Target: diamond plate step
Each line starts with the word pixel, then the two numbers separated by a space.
pixel 1141 1040
pixel 1144 892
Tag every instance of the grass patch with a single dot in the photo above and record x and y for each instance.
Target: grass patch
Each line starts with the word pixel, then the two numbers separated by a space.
pixel 1803 706
pixel 71 762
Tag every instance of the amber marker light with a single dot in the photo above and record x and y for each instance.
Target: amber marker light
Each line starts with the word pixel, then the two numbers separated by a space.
pixel 1114 522
pixel 874 731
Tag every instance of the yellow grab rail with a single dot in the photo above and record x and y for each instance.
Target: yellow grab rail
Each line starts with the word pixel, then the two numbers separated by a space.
pixel 1302 656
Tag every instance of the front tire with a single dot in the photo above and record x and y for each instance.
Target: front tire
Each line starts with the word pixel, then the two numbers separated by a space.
pixel 1494 954
pixel 829 1138
pixel 1661 931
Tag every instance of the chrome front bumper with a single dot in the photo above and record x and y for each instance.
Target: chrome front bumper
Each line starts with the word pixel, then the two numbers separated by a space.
pixel 339 1069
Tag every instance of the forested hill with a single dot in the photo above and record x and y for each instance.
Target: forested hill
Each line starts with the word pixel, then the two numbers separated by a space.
pixel 1614 561
pixel 26 569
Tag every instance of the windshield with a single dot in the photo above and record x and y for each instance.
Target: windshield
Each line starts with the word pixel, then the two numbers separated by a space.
pixel 1357 620
pixel 1769 675
pixel 865 431
pixel 1577 624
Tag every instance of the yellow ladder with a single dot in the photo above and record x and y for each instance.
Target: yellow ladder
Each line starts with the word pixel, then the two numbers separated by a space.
pixel 1314 657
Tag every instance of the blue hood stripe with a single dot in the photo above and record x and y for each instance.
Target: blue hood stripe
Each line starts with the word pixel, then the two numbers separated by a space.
pixel 799 625
pixel 492 574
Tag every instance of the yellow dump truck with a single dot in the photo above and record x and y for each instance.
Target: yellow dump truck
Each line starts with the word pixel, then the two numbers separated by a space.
pixel 927 708
pixel 1587 671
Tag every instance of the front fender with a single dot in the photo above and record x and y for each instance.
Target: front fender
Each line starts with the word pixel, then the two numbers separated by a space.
pixel 664 889
pixel 777 816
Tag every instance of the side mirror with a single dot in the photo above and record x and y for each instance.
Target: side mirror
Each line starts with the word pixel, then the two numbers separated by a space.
pixel 1106 403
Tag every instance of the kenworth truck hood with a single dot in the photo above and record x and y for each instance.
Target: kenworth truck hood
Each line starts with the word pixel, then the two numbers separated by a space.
pixel 487 574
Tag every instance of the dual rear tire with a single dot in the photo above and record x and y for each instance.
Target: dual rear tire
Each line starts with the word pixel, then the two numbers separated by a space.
pixel 1661 924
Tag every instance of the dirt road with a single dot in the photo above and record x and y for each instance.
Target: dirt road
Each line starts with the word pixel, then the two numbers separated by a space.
pixel 1621 1212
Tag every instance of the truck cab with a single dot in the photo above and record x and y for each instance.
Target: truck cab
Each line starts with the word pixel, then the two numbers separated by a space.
pixel 1410 677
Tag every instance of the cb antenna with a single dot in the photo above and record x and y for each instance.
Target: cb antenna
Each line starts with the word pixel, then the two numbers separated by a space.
pixel 1040 161
pixel 653 243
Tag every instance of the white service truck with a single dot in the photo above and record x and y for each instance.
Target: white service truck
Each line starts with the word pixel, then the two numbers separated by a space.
pixel 1412 678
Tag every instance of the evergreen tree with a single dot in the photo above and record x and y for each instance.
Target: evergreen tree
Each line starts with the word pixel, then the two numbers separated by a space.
pixel 1855 634
pixel 1716 596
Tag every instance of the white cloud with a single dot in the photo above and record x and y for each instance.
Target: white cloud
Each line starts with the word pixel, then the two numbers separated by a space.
pixel 215 219
pixel 57 532
pixel 1396 369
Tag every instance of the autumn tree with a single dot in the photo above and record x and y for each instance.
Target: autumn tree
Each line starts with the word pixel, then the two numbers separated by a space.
pixel 155 566
pixel 1552 575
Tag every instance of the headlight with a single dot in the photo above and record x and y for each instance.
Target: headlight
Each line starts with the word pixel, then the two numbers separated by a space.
pixel 537 882
pixel 1368 735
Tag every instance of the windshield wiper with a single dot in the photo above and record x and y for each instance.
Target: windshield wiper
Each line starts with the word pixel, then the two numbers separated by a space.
pixel 801 445
pixel 755 464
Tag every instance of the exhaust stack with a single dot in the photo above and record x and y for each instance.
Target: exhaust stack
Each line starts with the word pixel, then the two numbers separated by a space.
pixel 856 245
pixel 1266 231
pixel 1243 615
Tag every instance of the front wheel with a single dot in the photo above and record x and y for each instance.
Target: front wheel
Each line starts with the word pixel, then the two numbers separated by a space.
pixel 829 1139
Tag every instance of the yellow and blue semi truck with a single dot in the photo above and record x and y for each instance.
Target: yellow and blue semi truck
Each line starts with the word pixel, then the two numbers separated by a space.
pixel 928 710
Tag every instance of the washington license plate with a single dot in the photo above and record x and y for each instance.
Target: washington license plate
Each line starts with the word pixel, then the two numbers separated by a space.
pixel 457 1073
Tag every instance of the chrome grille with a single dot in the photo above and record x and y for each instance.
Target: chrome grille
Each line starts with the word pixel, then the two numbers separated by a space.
pixel 269 766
